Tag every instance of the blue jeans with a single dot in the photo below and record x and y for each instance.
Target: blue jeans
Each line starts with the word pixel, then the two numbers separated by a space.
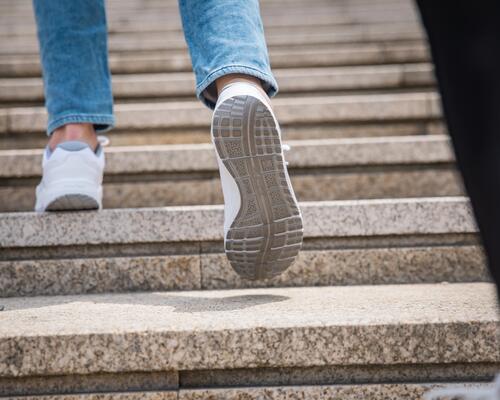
pixel 223 36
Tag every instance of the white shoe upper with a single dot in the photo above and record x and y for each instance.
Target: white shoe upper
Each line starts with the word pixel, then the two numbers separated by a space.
pixel 232 200
pixel 73 168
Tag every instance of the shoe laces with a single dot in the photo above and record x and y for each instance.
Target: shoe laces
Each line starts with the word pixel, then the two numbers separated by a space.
pixel 286 147
pixel 466 393
pixel 103 140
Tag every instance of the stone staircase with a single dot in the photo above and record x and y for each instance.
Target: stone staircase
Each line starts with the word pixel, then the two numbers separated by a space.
pixel 389 297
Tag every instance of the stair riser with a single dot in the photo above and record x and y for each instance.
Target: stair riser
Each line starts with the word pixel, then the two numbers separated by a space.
pixel 202 135
pixel 361 54
pixel 159 191
pixel 291 81
pixel 348 266
pixel 306 111
pixel 413 391
pixel 284 41
pixel 245 380
pixel 281 20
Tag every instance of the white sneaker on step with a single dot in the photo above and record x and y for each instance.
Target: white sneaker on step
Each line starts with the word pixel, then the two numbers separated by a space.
pixel 263 230
pixel 72 178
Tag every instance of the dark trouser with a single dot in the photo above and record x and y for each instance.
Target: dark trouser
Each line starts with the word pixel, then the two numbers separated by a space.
pixel 465 44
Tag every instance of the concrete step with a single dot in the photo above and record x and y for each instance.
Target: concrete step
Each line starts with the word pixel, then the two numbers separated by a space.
pixel 302 16
pixel 153 176
pixel 346 242
pixel 36 140
pixel 291 81
pixel 283 40
pixel 128 24
pixel 407 391
pixel 290 111
pixel 341 54
pixel 244 338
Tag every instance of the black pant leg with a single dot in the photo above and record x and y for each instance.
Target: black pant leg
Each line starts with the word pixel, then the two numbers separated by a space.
pixel 465 45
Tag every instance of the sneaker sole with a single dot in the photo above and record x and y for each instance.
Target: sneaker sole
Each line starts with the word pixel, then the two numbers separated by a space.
pixel 73 202
pixel 267 233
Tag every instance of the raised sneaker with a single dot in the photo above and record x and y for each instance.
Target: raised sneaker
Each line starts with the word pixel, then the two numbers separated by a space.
pixel 263 229
pixel 72 178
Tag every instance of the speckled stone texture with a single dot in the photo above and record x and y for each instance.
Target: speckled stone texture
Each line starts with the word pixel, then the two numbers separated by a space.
pixel 380 107
pixel 397 264
pixel 360 266
pixel 340 375
pixel 344 392
pixel 91 383
pixel 177 191
pixel 432 149
pixel 163 395
pixel 251 328
pixel 98 275
pixel 363 53
pixel 198 223
pixel 347 392
pixel 173 41
pixel 294 80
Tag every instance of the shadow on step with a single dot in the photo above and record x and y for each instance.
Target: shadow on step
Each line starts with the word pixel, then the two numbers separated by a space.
pixel 181 302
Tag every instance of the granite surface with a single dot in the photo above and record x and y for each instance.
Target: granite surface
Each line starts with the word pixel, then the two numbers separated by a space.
pixel 88 384
pixel 198 223
pixel 174 190
pixel 347 392
pixel 290 80
pixel 364 53
pixel 3 121
pixel 212 271
pixel 370 266
pixel 304 110
pixel 430 150
pixel 285 327
pixel 175 42
pixel 99 275
pixel 163 395
pixel 339 375
pixel 180 135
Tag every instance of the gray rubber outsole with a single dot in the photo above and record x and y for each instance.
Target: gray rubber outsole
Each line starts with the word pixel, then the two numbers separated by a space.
pixel 73 202
pixel 267 232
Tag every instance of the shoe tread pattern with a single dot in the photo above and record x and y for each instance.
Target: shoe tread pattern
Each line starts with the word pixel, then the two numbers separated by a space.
pixel 267 233
pixel 73 202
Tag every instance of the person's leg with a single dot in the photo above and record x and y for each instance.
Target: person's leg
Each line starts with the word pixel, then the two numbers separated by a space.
pixel 465 42
pixel 262 220
pixel 73 52
pixel 225 37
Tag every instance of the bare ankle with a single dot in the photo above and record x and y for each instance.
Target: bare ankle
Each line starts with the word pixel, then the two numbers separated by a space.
pixel 81 132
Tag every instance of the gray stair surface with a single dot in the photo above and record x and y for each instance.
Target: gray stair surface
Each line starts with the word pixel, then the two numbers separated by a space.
pixel 346 242
pixel 152 176
pixel 389 298
pixel 436 328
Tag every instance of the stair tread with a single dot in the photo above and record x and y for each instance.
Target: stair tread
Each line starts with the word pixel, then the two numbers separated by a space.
pixel 304 110
pixel 279 327
pixel 356 218
pixel 425 149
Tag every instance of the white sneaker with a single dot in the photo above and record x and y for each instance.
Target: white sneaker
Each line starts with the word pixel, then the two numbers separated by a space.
pixel 262 220
pixel 72 178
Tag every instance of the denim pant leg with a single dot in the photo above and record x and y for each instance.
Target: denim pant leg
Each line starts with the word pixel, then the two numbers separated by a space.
pixel 73 51
pixel 225 37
